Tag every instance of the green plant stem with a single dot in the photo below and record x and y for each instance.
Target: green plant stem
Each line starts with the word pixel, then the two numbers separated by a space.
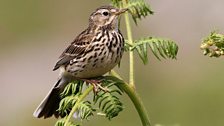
pixel 131 53
pixel 135 99
pixel 75 107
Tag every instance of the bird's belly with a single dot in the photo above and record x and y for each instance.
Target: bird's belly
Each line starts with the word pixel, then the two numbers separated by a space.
pixel 95 67
pixel 95 71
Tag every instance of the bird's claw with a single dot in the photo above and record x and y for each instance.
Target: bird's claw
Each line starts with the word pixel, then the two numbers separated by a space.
pixel 97 86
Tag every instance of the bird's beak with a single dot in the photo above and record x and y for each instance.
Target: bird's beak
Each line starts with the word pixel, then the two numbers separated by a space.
pixel 120 11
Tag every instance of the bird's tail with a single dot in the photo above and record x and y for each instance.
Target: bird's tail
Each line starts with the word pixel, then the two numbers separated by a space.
pixel 50 103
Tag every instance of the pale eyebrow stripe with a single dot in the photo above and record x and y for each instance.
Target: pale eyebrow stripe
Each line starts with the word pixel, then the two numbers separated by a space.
pixel 101 10
pixel 113 10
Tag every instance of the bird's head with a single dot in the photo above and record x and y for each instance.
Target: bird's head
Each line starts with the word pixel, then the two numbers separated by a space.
pixel 106 15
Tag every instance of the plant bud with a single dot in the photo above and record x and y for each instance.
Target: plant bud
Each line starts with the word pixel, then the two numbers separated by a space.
pixel 204 46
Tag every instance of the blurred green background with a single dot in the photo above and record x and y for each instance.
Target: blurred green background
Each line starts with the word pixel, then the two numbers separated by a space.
pixel 183 92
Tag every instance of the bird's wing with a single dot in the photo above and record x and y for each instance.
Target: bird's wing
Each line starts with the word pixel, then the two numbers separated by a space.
pixel 75 49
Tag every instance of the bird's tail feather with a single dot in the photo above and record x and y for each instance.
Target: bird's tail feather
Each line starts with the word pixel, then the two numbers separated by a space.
pixel 50 103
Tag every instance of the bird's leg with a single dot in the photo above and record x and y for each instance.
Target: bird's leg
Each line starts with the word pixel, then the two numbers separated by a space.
pixel 96 82
pixel 96 85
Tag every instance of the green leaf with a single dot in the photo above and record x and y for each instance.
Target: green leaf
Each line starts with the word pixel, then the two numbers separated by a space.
pixel 73 87
pixel 141 54
pixel 61 122
pixel 108 102
pixel 85 110
pixel 161 48
pixel 153 49
pixel 138 9
pixel 66 104
pixel 69 96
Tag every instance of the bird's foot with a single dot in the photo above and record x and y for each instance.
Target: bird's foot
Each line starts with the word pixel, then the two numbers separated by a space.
pixel 97 85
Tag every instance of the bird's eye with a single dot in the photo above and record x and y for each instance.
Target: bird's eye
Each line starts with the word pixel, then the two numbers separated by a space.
pixel 105 13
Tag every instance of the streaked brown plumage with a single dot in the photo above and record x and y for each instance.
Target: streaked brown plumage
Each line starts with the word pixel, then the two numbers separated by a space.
pixel 94 52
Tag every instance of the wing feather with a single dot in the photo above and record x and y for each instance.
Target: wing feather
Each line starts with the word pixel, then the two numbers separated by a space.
pixel 75 49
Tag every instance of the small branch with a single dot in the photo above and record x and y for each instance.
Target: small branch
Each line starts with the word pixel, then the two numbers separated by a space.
pixel 75 107
pixel 135 100
pixel 131 53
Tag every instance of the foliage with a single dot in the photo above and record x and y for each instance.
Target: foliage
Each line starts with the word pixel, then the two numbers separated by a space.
pixel 85 110
pixel 160 48
pixel 62 121
pixel 137 8
pixel 163 47
pixel 213 45
pixel 72 88
pixel 108 102
pixel 69 97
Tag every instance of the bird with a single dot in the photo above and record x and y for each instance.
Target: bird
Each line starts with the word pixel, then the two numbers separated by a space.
pixel 93 53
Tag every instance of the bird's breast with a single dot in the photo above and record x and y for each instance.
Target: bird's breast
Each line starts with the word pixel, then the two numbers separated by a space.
pixel 105 53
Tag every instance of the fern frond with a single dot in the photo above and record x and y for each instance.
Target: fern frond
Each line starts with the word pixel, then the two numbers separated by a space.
pixel 69 97
pixel 108 102
pixel 213 45
pixel 61 122
pixel 85 110
pixel 113 83
pixel 160 48
pixel 138 9
pixel 66 104
pixel 74 87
